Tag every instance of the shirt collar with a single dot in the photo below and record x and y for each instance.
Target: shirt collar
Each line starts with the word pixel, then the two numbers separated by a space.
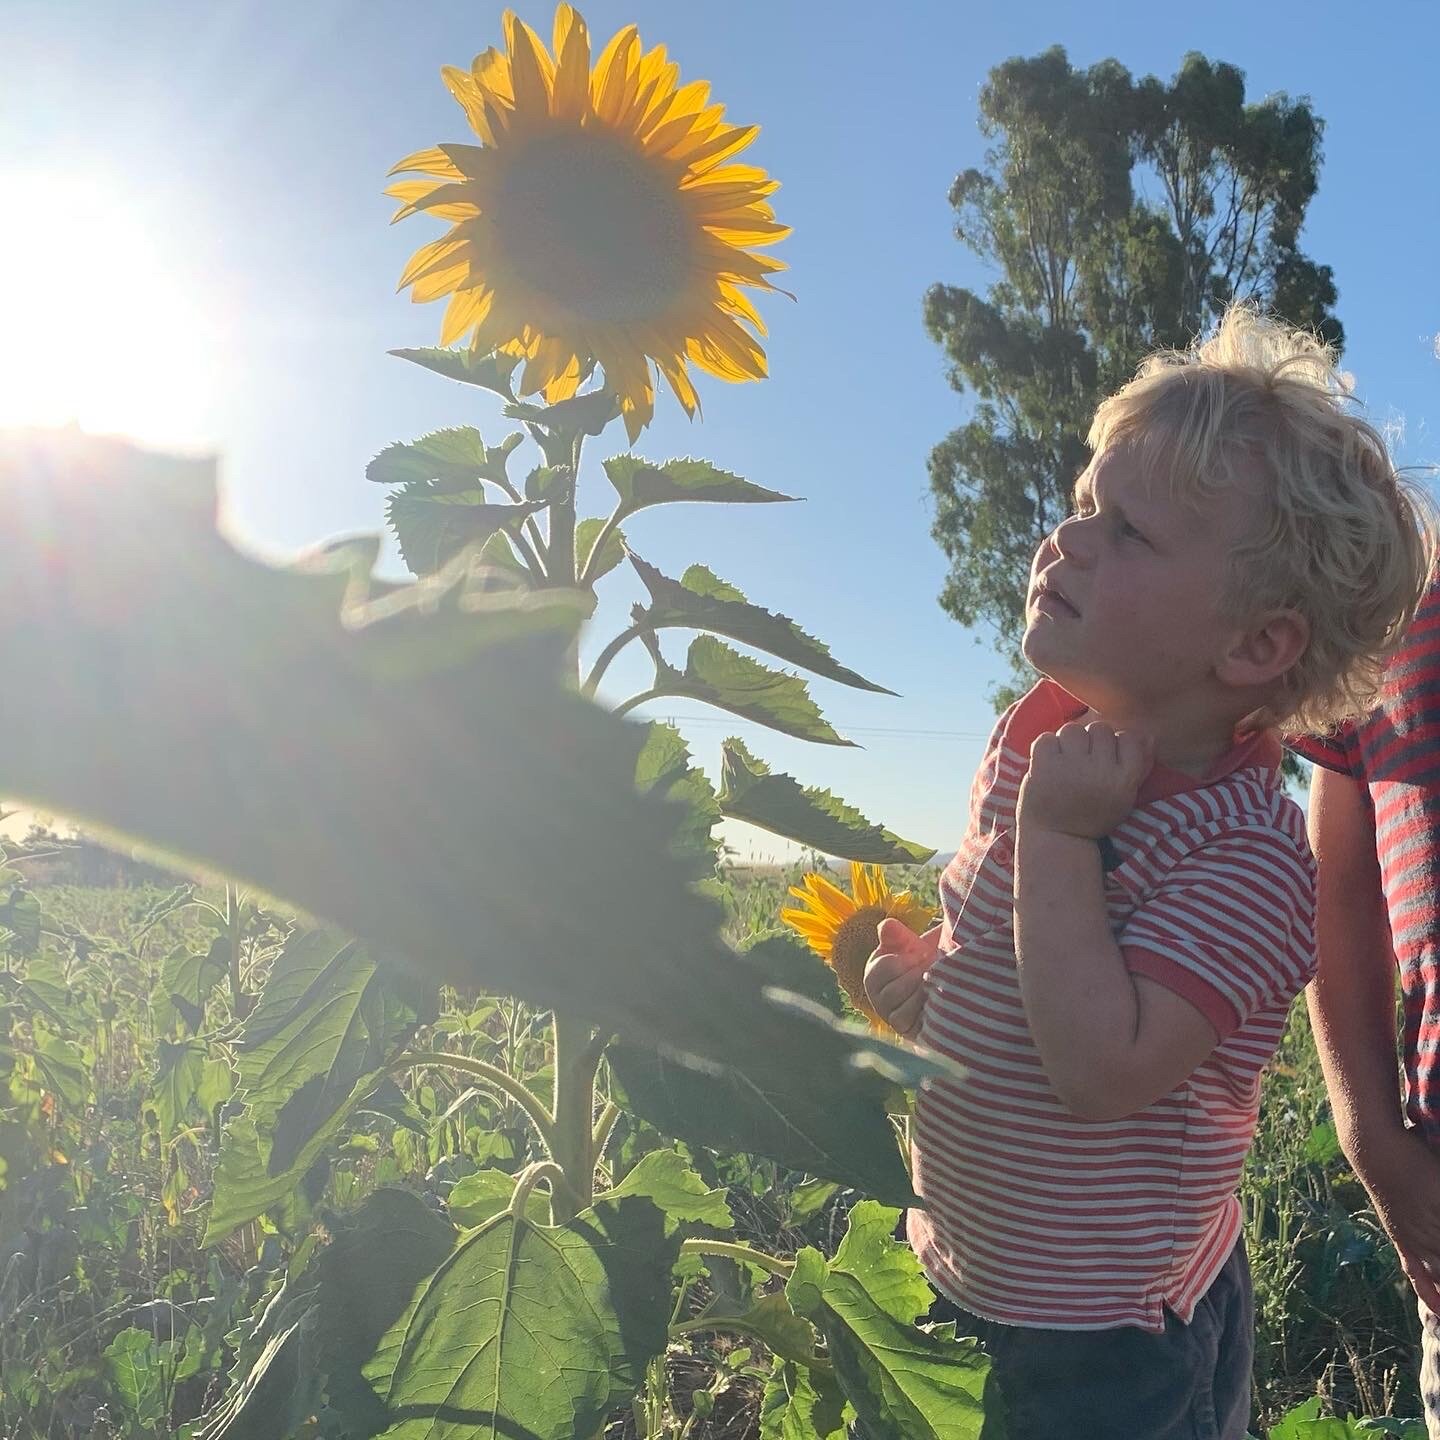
pixel 1047 706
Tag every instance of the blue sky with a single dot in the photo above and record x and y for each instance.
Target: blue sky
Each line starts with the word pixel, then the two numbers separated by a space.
pixel 194 195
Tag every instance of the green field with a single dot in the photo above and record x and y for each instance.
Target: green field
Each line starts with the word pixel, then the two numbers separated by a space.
pixel 116 1319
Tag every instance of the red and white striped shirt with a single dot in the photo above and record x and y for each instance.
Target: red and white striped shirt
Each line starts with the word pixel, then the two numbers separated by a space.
pixel 1033 1215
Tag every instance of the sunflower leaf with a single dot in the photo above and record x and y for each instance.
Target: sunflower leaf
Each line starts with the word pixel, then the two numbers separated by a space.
pixel 586 414
pixel 721 676
pixel 499 552
pixel 639 483
pixel 546 484
pixel 535 1330
pixel 328 1021
pixel 809 816
pixel 455 459
pixel 800 1404
pixel 613 552
pixel 664 766
pixel 903 1381
pixel 700 600
pixel 443 711
pixel 433 527
pixel 490 372
pixel 780 1103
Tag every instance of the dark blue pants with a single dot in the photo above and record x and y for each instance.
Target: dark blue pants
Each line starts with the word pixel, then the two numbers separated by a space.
pixel 1190 1383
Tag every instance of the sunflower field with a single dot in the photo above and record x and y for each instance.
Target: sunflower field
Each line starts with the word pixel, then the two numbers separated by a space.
pixel 379 1122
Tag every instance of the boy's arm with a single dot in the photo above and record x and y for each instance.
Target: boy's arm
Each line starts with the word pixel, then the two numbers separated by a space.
pixel 1111 1042
pixel 1352 1011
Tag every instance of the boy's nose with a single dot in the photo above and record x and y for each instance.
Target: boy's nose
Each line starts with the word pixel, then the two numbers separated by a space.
pixel 1071 540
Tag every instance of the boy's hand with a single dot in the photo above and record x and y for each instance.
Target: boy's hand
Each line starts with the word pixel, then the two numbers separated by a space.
pixel 895 974
pixel 1403 1179
pixel 1083 779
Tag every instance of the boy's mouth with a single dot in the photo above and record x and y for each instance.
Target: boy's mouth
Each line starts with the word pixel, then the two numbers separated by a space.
pixel 1047 596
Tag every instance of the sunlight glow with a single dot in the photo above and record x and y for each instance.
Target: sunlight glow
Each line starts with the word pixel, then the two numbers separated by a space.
pixel 97 327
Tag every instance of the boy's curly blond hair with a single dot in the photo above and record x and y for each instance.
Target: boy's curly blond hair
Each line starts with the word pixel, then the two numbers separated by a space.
pixel 1341 536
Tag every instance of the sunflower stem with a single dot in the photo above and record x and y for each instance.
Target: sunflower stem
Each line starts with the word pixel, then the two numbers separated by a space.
pixel 531 557
pixel 602 662
pixel 634 700
pixel 486 1074
pixel 775 1264
pixel 576 1061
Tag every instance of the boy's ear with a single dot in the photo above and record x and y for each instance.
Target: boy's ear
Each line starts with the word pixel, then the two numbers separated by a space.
pixel 1266 650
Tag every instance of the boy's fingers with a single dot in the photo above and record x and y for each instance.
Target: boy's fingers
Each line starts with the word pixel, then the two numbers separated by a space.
pixel 897 938
pixel 907 1014
pixel 1422 1281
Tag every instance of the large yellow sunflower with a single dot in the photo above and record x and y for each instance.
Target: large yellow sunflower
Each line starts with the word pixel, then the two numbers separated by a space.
pixel 599 222
pixel 840 928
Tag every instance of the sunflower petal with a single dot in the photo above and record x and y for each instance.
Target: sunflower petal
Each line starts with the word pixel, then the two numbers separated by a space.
pixel 449 199
pixel 571 44
pixel 470 99
pixel 727 140
pixel 532 72
pixel 433 161
pixel 467 308
pixel 611 84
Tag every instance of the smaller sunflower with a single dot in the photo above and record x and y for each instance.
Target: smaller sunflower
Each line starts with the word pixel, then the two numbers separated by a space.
pixel 841 928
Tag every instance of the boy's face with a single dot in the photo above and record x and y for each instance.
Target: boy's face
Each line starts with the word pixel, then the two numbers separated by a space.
pixel 1123 608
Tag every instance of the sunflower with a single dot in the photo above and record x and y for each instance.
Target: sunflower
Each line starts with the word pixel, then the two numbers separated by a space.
pixel 840 928
pixel 601 221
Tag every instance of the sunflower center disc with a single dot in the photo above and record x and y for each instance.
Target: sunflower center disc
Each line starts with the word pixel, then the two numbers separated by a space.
pixel 853 945
pixel 595 225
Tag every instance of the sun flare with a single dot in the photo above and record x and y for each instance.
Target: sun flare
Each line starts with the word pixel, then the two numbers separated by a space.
pixel 96 330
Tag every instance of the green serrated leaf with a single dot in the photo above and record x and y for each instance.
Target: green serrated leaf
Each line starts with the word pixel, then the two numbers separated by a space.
pixel 718 675
pixel 593 567
pixel 702 601
pixel 328 1022
pixel 62 1069
pixel 780 1105
pixel 903 1381
pixel 369 1280
pixel 475 1199
pixel 548 483
pixel 391 1102
pixel 638 483
pixel 810 816
pixel 490 372
pixel 664 766
pixel 21 915
pixel 134 1360
pixel 432 527
pixel 499 552
pixel 530 1330
pixel 277 1393
pixel 455 459
pixel 798 1404
pixel 771 1320
pixel 406 765
pixel 179 1070
pixel 45 988
pixel 245 1186
pixel 665 1178
pixel 187 978
pixel 586 414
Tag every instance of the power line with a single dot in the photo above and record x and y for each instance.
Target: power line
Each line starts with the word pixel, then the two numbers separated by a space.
pixel 734 721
